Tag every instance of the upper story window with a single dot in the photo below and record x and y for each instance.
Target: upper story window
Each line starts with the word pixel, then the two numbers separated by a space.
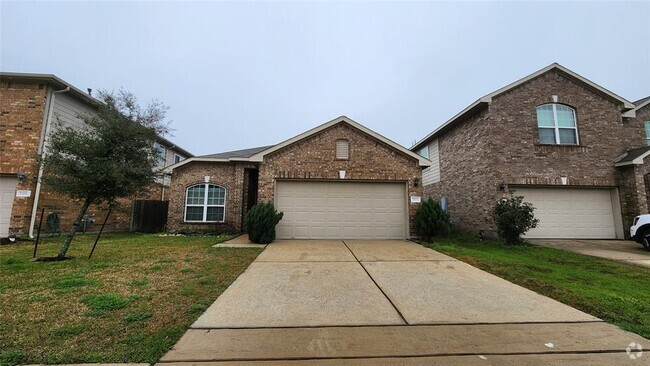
pixel 161 152
pixel 177 158
pixel 205 203
pixel 342 149
pixel 557 125
pixel 647 132
pixel 424 152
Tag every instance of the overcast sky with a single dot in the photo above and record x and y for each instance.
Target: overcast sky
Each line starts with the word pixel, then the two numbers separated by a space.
pixel 240 75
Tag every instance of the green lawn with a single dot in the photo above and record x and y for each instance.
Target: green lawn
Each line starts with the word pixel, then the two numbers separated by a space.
pixel 130 303
pixel 615 292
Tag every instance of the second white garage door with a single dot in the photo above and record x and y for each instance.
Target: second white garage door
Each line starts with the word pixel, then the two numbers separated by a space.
pixel 571 213
pixel 341 210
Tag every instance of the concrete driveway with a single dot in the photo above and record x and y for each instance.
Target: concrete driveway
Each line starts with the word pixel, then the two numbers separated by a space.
pixel 618 250
pixel 389 302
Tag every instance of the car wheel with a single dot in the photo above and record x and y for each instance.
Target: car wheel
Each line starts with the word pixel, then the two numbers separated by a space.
pixel 645 241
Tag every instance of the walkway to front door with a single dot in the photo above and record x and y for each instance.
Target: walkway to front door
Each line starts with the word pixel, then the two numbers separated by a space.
pixel 389 302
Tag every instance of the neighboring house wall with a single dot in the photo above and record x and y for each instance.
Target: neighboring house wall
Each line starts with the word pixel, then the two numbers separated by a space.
pixel 501 144
pixel 314 158
pixel 24 109
pixel 465 178
pixel 21 119
pixel 431 174
pixel 635 186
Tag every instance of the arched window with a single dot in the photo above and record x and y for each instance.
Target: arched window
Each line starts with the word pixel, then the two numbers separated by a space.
pixel 557 124
pixel 205 203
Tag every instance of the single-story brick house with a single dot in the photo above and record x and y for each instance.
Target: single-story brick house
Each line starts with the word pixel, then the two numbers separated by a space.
pixel 338 180
pixel 575 150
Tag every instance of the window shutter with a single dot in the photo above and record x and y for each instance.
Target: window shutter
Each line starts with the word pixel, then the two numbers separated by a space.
pixel 342 149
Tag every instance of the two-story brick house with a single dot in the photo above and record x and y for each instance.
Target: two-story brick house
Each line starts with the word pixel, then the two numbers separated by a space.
pixel 571 147
pixel 31 107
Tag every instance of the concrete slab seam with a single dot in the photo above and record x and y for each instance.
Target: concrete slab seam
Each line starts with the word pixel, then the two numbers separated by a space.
pixel 376 284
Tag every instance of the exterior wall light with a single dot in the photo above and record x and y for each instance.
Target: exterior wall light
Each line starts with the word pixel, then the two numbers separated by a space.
pixel 503 186
pixel 416 182
pixel 21 176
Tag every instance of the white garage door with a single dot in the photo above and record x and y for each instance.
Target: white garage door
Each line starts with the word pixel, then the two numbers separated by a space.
pixel 341 210
pixel 7 193
pixel 571 213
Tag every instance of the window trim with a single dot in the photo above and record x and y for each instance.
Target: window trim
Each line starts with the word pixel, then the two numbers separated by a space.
pixel 645 129
pixel 336 149
pixel 428 153
pixel 180 158
pixel 205 203
pixel 161 159
pixel 556 128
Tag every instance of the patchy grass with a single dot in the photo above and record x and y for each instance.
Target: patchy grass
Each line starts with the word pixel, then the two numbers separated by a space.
pixel 615 292
pixel 130 303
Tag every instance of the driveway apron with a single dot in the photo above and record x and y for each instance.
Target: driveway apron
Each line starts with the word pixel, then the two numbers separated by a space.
pixel 324 302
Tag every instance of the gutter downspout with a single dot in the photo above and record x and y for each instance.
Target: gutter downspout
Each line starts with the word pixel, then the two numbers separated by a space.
pixel 43 150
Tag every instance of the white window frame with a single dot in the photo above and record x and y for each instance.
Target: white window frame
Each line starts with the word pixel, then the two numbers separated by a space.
pixel 647 136
pixel 424 152
pixel 180 158
pixel 205 202
pixel 161 154
pixel 557 128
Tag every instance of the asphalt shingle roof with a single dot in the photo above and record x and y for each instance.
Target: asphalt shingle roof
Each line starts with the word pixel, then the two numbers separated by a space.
pixel 633 154
pixel 245 153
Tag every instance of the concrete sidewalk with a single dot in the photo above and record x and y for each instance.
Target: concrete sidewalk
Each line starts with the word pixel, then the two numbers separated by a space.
pixel 375 302
pixel 618 250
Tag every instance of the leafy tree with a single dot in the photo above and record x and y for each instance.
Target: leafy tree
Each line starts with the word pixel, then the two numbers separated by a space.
pixel 260 222
pixel 113 157
pixel 513 218
pixel 431 220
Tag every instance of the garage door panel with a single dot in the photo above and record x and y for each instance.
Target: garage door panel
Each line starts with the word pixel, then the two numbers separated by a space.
pixel 331 210
pixel 7 194
pixel 571 212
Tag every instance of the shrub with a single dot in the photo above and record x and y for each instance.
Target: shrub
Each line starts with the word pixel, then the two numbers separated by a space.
pixel 260 223
pixel 513 218
pixel 431 220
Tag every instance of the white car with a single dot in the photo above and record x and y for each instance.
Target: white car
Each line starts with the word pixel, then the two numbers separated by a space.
pixel 640 230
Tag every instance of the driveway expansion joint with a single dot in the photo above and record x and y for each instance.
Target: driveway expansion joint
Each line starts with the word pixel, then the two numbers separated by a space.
pixel 376 284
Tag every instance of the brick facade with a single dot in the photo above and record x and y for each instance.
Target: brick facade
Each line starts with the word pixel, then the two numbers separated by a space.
pixel 501 144
pixel 23 107
pixel 21 120
pixel 312 158
pixel 227 175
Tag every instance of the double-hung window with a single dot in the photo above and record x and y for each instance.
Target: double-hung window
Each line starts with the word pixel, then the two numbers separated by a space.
pixel 557 125
pixel 205 203
pixel 647 132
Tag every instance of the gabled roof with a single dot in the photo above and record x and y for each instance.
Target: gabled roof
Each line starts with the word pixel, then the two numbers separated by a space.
pixel 49 79
pixel 641 103
pixel 633 157
pixel 245 153
pixel 487 99
pixel 76 93
pixel 256 155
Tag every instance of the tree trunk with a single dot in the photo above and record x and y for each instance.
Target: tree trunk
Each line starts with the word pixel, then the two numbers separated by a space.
pixel 75 227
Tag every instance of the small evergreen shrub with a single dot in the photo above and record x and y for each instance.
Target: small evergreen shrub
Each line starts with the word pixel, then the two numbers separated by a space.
pixel 513 217
pixel 431 220
pixel 260 222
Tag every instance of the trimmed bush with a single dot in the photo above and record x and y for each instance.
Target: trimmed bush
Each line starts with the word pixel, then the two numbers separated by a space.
pixel 431 220
pixel 513 217
pixel 260 222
